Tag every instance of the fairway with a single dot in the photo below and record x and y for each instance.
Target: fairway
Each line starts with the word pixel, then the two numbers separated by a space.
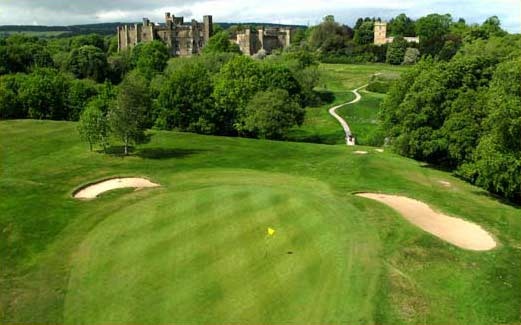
pixel 194 250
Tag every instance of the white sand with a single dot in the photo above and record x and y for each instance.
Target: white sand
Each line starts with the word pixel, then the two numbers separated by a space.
pixel 445 183
pixel 360 152
pixel 92 191
pixel 456 231
pixel 379 150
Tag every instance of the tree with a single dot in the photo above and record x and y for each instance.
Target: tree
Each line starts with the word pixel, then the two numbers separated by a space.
pixel 10 105
pixel 492 27
pixel 329 35
pixel 88 40
pixel 20 53
pixel 119 65
pixel 234 86
pixel 150 58
pixel 270 114
pixel 128 117
pixel 365 34
pixel 88 62
pixel 185 101
pixel 432 31
pixel 396 51
pixel 497 160
pixel 402 25
pixel 43 94
pixel 220 43
pixel 79 94
pixel 93 126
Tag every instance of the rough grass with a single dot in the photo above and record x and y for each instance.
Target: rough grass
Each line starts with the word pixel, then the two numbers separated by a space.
pixel 193 251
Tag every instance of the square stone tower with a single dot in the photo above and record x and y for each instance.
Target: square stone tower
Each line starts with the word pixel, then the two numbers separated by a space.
pixel 380 33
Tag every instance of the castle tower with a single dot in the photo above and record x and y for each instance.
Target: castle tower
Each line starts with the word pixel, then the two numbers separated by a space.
pixel 260 46
pixel 207 28
pixel 380 33
pixel 169 20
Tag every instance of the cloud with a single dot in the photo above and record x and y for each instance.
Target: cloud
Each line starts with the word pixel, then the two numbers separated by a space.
pixel 67 12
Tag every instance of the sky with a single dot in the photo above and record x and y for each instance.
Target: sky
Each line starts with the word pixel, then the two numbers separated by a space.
pixel 301 12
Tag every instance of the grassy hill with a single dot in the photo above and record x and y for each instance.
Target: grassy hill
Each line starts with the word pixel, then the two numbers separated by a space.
pixel 194 250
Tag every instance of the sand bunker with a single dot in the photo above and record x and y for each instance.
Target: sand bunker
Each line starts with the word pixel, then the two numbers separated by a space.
pixel 456 231
pixel 93 190
pixel 379 150
pixel 360 152
pixel 445 183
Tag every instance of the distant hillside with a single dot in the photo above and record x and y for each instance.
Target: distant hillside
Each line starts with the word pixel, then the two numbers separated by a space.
pixel 57 31
pixel 103 29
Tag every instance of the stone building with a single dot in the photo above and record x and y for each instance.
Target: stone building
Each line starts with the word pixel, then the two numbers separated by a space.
pixel 380 35
pixel 182 39
pixel 268 39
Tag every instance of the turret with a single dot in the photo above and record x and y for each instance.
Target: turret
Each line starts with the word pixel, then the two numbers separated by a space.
pixel 207 28
pixel 380 33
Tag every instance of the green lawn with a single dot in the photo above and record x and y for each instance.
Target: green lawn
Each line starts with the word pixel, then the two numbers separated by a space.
pixel 194 250
pixel 340 80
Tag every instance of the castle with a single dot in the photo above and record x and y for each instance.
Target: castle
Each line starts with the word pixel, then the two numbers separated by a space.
pixel 251 42
pixel 380 35
pixel 180 38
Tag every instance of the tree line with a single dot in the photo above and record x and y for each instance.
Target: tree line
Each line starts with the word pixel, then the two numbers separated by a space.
pixel 464 113
pixel 219 92
pixel 440 37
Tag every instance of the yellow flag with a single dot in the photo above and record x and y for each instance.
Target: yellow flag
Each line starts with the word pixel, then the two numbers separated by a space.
pixel 271 231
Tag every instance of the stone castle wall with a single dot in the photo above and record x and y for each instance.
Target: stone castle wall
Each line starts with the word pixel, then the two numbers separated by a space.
pixel 180 38
pixel 380 35
pixel 268 40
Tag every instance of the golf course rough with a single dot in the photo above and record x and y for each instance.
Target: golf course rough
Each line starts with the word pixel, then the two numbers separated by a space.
pixel 93 190
pixel 456 231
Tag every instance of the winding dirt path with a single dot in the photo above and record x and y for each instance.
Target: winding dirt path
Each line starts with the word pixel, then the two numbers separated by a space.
pixel 350 140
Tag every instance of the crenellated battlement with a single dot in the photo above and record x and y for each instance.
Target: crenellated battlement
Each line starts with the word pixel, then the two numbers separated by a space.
pixel 181 39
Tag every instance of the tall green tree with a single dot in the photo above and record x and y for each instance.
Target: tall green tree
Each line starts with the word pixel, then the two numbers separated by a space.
pixel 329 35
pixel 88 62
pixel 93 125
pixel 150 58
pixel 128 118
pixel 234 86
pixel 10 104
pixel 43 94
pixel 432 30
pixel 497 161
pixel 185 100
pixel 402 25
pixel 221 43
pixel 396 51
pixel 270 114
pixel 81 91
pixel 365 34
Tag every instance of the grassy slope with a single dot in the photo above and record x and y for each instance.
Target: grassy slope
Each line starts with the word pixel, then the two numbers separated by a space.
pixel 340 79
pixel 193 249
